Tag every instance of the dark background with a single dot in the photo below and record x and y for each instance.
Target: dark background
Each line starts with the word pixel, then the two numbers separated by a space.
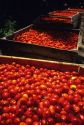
pixel 25 11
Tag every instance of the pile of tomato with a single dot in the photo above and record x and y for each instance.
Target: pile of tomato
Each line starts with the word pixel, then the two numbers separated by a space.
pixel 40 96
pixel 56 39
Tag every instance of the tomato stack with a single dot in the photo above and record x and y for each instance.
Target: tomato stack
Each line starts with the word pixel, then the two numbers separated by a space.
pixel 40 96
pixel 53 39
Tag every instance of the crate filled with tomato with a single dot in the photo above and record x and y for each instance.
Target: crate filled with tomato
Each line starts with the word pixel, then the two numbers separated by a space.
pixel 63 39
pixel 65 13
pixel 37 92
pixel 57 44
pixel 54 22
pixel 78 10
